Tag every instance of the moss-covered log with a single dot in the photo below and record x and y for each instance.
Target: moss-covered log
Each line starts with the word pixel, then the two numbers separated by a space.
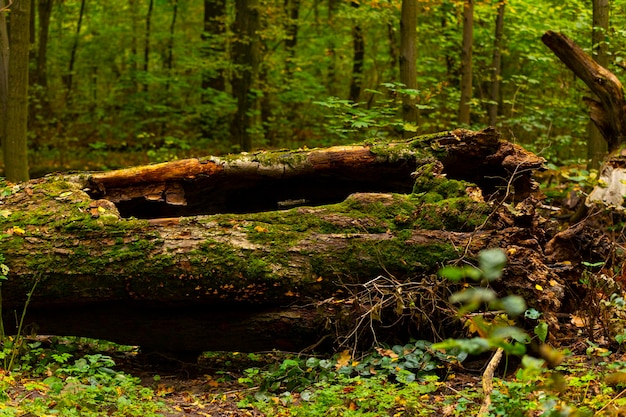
pixel 225 273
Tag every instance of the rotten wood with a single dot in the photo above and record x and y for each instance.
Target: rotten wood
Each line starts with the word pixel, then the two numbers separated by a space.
pixel 226 273
pixel 262 181
pixel 608 112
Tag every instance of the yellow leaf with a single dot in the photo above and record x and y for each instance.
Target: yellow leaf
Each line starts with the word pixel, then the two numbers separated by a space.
pixel 343 359
pixel 260 229
pixel 538 287
pixel 386 352
pixel 5 213
pixel 578 321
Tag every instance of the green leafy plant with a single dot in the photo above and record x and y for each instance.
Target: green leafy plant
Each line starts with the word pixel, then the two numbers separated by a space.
pixel 495 330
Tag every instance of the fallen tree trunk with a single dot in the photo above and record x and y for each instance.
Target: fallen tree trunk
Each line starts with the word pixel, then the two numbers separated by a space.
pixel 226 274
pixel 608 113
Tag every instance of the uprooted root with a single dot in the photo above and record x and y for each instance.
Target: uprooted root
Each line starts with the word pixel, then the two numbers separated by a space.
pixel 385 308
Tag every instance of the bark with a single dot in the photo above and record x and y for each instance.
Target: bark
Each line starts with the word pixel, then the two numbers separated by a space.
pixel 292 9
pixel 69 78
pixel 358 57
pixel 214 78
pixel 608 111
pixel 4 70
pixel 246 51
pixel 496 66
pixel 466 62
pixel 243 267
pixel 331 84
pixel 41 73
pixel 146 50
pixel 596 146
pixel 170 44
pixel 394 54
pixel 134 48
pixel 14 145
pixel 213 48
pixel 408 61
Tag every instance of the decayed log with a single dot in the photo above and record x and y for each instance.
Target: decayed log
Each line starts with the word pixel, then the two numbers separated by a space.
pixel 229 274
pixel 609 111
pixel 265 181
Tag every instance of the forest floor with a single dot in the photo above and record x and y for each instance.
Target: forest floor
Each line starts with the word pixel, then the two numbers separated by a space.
pixel 589 381
pixel 586 380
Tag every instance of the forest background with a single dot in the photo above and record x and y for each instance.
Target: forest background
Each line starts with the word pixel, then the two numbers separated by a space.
pixel 122 83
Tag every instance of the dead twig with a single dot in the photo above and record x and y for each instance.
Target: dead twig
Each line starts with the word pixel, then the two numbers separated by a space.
pixel 488 381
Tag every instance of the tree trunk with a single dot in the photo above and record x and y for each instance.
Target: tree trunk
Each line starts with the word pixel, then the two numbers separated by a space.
pixel 292 9
pixel 45 12
pixel 213 47
pixel 608 111
pixel 134 46
pixel 394 54
pixel 408 62
pixel 146 49
pixel 358 57
pixel 14 145
pixel 466 62
pixel 4 70
pixel 214 78
pixel 496 66
pixel 70 71
pixel 170 45
pixel 597 146
pixel 246 59
pixel 284 271
pixel 331 83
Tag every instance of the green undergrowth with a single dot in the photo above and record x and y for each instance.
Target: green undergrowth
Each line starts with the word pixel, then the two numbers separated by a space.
pixel 61 380
pixel 588 385
pixel 79 377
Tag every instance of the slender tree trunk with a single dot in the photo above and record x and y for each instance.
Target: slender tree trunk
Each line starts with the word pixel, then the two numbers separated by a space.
pixel 4 70
pixel 45 12
pixel 358 43
pixel 70 72
pixel 408 61
pixel 597 147
pixel 394 54
pixel 134 46
pixel 146 51
pixel 466 62
pixel 292 7
pixel 496 66
pixel 170 45
pixel 214 78
pixel 213 37
pixel 451 68
pixel 14 146
pixel 246 59
pixel 332 56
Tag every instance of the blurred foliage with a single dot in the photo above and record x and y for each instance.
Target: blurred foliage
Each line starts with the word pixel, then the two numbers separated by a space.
pixel 116 107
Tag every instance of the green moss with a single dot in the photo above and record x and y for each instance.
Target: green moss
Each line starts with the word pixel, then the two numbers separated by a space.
pixel 394 256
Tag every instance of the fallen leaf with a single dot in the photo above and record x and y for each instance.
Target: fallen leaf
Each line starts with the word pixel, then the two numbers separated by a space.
pixel 343 359
pixel 578 321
